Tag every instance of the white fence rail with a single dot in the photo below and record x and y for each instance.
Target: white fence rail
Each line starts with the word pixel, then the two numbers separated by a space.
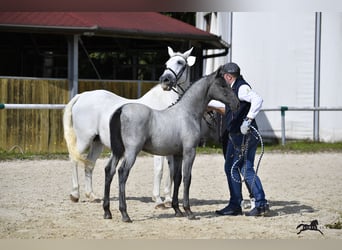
pixel 31 106
pixel 282 110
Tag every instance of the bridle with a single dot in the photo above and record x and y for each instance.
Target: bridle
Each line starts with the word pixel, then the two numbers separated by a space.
pixel 179 75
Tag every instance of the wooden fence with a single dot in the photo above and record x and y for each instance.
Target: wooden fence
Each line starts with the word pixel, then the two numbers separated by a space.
pixel 41 131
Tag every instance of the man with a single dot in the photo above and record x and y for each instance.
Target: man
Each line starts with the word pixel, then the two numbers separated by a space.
pixel 241 136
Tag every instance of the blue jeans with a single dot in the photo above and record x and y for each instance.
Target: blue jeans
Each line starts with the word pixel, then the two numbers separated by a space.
pixel 243 164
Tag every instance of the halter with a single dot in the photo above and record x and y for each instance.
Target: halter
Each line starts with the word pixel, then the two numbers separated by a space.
pixel 179 75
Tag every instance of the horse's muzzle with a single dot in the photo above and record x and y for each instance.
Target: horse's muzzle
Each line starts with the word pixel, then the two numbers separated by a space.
pixel 167 82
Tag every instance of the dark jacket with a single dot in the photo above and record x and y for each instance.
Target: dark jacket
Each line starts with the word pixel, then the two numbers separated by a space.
pixel 235 119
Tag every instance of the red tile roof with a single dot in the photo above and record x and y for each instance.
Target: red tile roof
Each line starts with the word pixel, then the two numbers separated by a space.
pixel 121 24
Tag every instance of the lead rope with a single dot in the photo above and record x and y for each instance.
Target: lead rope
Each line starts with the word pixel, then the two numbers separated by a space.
pixel 244 150
pixel 260 157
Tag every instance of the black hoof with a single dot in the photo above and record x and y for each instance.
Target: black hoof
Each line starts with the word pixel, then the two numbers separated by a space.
pixel 127 220
pixel 107 216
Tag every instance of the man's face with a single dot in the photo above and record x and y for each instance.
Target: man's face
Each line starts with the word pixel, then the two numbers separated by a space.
pixel 229 78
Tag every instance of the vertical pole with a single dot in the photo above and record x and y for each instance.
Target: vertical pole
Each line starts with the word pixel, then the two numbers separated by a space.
pixel 230 35
pixel 318 18
pixel 139 89
pixel 282 111
pixel 73 65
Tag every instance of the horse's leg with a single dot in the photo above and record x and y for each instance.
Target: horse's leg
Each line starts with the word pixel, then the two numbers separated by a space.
pixel 94 153
pixel 75 191
pixel 158 174
pixel 82 145
pixel 320 231
pixel 177 178
pixel 109 173
pixel 124 170
pixel 168 182
pixel 189 157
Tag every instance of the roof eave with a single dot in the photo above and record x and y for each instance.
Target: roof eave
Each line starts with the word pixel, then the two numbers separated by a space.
pixel 210 42
pixel 44 28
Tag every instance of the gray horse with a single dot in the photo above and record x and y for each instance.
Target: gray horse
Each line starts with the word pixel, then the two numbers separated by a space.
pixel 173 131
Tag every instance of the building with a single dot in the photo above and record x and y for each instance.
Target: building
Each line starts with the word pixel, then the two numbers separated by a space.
pixel 279 55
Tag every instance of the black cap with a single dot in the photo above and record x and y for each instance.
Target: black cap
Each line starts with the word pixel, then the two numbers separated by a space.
pixel 231 68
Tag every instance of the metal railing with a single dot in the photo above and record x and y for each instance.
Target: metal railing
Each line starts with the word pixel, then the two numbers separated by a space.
pixel 32 106
pixel 283 109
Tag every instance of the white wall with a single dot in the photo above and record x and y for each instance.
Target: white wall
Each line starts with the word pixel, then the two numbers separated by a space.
pixel 331 80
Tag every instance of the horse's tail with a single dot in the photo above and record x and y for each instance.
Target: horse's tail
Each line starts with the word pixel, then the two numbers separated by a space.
pixel 116 142
pixel 69 132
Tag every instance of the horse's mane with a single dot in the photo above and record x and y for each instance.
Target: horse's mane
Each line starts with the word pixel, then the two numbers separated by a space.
pixel 191 84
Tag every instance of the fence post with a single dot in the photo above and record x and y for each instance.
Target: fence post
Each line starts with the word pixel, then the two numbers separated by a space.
pixel 73 65
pixel 317 74
pixel 139 89
pixel 282 111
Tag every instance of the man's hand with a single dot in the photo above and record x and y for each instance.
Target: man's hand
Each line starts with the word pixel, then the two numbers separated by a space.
pixel 244 128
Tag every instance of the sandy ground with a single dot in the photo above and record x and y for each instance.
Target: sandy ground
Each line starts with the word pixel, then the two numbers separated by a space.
pixel 34 201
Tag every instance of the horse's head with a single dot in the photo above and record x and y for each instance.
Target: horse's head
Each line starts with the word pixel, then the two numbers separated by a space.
pixel 176 69
pixel 220 90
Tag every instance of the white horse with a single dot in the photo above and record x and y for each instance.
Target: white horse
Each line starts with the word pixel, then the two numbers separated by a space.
pixel 86 120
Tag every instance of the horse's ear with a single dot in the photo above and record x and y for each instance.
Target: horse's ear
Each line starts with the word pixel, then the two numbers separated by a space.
pixel 191 60
pixel 219 72
pixel 170 50
pixel 187 53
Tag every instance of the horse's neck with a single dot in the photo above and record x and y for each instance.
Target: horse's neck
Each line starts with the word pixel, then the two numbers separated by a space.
pixel 195 99
pixel 182 87
pixel 157 98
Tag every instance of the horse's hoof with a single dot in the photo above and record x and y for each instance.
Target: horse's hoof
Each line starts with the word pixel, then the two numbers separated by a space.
pixel 192 217
pixel 107 216
pixel 167 204
pixel 74 199
pixel 126 219
pixel 93 198
pixel 160 206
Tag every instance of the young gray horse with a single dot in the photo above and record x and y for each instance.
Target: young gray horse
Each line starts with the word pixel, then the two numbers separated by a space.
pixel 174 131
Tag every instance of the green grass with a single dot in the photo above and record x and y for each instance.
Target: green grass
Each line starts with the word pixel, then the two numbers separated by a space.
pixel 301 146
pixel 305 147
pixel 290 147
